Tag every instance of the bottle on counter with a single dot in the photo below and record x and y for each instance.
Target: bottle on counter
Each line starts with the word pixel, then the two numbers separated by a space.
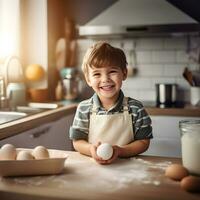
pixel 59 91
pixel 190 145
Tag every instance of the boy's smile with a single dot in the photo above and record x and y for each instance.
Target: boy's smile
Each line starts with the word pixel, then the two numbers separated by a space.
pixel 107 88
pixel 106 82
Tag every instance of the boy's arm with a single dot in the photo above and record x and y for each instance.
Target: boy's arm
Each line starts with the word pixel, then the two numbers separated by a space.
pixel 82 146
pixel 134 148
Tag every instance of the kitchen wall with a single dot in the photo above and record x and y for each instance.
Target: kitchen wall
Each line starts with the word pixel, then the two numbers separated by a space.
pixel 158 60
pixel 34 43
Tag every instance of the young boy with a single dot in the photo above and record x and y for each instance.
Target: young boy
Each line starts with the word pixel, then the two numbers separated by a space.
pixel 108 116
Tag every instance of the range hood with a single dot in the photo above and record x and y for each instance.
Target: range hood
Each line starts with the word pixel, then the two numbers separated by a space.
pixel 128 18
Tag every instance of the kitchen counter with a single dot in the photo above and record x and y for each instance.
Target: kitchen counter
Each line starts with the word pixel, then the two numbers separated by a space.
pixel 186 111
pixel 140 178
pixel 179 109
pixel 31 121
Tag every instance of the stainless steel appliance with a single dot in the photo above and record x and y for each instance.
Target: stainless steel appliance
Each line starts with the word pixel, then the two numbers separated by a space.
pixel 166 93
pixel 72 83
pixel 140 18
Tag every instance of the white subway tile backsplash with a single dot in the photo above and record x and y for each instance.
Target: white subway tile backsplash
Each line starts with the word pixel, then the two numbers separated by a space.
pixel 173 70
pixel 149 44
pixel 137 82
pixel 129 44
pixel 182 57
pixel 158 60
pixel 133 93
pixel 147 95
pixel 163 56
pixel 175 43
pixel 150 70
pixel 117 43
pixel 194 42
pixel 193 66
pixel 143 57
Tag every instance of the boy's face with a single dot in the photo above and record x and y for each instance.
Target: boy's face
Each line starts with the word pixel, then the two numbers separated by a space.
pixel 106 81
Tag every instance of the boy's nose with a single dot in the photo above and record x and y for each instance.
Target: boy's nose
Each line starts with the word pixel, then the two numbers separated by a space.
pixel 105 77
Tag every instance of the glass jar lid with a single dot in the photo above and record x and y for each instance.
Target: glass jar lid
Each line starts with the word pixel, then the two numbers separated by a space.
pixel 189 125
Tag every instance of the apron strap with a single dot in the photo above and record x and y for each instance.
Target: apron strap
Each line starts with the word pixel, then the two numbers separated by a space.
pixel 94 108
pixel 125 105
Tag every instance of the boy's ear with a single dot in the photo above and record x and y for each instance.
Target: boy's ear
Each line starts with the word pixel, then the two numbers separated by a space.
pixel 125 72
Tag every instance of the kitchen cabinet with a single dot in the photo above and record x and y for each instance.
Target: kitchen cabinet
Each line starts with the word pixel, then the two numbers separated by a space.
pixel 53 135
pixel 166 141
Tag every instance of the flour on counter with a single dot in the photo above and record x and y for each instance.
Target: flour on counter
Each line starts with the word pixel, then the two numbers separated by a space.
pixel 86 175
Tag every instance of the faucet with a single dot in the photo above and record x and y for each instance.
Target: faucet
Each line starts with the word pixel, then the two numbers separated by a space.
pixel 6 67
pixel 4 81
pixel 4 103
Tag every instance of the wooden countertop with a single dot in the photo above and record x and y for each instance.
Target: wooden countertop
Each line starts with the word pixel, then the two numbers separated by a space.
pixel 187 111
pixel 140 178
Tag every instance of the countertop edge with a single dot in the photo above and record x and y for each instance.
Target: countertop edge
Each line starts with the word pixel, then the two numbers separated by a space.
pixel 35 120
pixel 23 124
pixel 183 112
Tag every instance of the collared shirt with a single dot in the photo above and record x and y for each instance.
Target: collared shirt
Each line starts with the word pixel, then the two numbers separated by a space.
pixel 141 120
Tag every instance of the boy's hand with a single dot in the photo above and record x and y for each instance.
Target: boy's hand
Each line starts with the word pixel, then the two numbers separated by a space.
pixel 116 152
pixel 93 150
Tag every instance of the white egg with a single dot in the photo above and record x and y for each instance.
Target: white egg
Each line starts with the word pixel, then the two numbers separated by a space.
pixel 40 152
pixel 24 155
pixel 8 152
pixel 105 151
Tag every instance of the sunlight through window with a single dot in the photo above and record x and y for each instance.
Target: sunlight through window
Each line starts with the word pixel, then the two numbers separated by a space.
pixel 9 27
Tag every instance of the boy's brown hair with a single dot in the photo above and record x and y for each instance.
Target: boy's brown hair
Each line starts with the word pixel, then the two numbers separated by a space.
pixel 103 54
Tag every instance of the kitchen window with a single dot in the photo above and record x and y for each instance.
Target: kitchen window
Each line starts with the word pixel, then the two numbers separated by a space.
pixel 9 28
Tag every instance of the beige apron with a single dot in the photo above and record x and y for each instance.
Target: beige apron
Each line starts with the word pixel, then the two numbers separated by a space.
pixel 116 129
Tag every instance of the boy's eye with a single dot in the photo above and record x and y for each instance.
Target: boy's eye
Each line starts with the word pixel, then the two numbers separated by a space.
pixel 113 71
pixel 96 74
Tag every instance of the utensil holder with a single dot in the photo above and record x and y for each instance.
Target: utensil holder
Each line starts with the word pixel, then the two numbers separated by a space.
pixel 194 95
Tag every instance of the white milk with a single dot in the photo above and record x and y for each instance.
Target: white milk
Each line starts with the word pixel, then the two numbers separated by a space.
pixel 191 151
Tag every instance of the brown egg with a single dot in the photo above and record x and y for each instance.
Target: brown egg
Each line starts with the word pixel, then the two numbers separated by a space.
pixel 24 155
pixel 8 152
pixel 176 172
pixel 191 183
pixel 40 152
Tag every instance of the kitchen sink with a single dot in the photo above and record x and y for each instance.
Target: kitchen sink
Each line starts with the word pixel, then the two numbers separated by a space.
pixel 7 116
pixel 23 111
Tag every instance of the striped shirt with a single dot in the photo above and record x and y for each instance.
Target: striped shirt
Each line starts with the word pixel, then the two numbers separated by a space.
pixel 141 120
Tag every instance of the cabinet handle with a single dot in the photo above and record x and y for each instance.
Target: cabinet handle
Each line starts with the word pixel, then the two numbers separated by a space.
pixel 40 132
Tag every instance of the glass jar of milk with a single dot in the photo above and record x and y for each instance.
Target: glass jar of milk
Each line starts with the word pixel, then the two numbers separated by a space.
pixel 190 145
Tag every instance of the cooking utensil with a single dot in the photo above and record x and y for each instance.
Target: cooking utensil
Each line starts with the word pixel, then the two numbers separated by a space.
pixel 132 66
pixel 132 69
pixel 166 93
pixel 194 95
pixel 187 74
pixel 72 83
pixel 196 77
